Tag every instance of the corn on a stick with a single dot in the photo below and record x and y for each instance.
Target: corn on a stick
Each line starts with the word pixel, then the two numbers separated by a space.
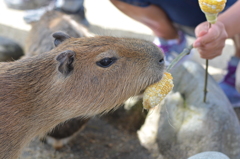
pixel 211 9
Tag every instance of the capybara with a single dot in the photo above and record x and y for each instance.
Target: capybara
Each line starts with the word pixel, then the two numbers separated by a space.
pixel 80 77
pixel 39 39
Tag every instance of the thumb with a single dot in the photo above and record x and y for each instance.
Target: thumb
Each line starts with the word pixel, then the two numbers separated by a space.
pixel 197 43
pixel 201 29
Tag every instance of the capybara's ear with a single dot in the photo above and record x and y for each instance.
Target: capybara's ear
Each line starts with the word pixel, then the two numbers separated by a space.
pixel 66 60
pixel 60 37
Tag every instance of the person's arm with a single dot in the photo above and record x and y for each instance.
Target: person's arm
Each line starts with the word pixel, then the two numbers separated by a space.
pixel 231 19
pixel 210 42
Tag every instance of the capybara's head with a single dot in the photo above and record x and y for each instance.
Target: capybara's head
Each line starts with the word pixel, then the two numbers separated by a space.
pixel 102 72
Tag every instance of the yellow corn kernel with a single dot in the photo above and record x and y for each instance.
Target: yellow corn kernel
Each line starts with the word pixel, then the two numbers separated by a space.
pixel 211 8
pixel 156 92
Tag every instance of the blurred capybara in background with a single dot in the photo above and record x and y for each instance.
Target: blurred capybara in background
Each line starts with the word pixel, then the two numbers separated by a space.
pixel 40 40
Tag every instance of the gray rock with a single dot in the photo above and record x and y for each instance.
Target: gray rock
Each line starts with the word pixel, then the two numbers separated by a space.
pixel 9 50
pixel 184 125
pixel 209 155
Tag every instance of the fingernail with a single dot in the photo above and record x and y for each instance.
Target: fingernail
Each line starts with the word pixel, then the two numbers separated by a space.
pixel 197 44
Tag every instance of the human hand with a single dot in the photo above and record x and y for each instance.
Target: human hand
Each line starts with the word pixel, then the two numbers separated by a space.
pixel 210 41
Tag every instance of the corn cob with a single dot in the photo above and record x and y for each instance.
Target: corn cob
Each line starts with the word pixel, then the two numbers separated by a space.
pixel 156 92
pixel 211 8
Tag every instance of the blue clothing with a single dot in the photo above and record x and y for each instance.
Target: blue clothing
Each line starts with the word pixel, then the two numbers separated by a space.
pixel 187 13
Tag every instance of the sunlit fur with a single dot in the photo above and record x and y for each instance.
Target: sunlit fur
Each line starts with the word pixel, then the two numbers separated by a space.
pixel 35 96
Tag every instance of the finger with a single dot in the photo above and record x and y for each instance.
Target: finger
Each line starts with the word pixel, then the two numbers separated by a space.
pixel 202 33
pixel 212 34
pixel 214 46
pixel 208 56
pixel 197 43
pixel 207 53
pixel 201 29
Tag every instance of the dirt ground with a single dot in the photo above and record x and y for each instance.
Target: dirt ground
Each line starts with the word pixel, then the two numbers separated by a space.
pixel 99 139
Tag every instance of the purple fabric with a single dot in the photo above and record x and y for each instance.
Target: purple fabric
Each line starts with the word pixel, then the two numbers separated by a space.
pixel 230 77
pixel 166 48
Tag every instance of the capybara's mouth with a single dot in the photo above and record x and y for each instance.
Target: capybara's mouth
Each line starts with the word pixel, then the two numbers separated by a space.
pixel 150 83
pixel 141 92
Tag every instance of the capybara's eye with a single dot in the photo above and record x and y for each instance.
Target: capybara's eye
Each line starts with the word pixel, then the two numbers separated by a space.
pixel 106 62
pixel 161 61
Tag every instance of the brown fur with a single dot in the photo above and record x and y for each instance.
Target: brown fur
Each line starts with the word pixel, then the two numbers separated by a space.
pixel 35 96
